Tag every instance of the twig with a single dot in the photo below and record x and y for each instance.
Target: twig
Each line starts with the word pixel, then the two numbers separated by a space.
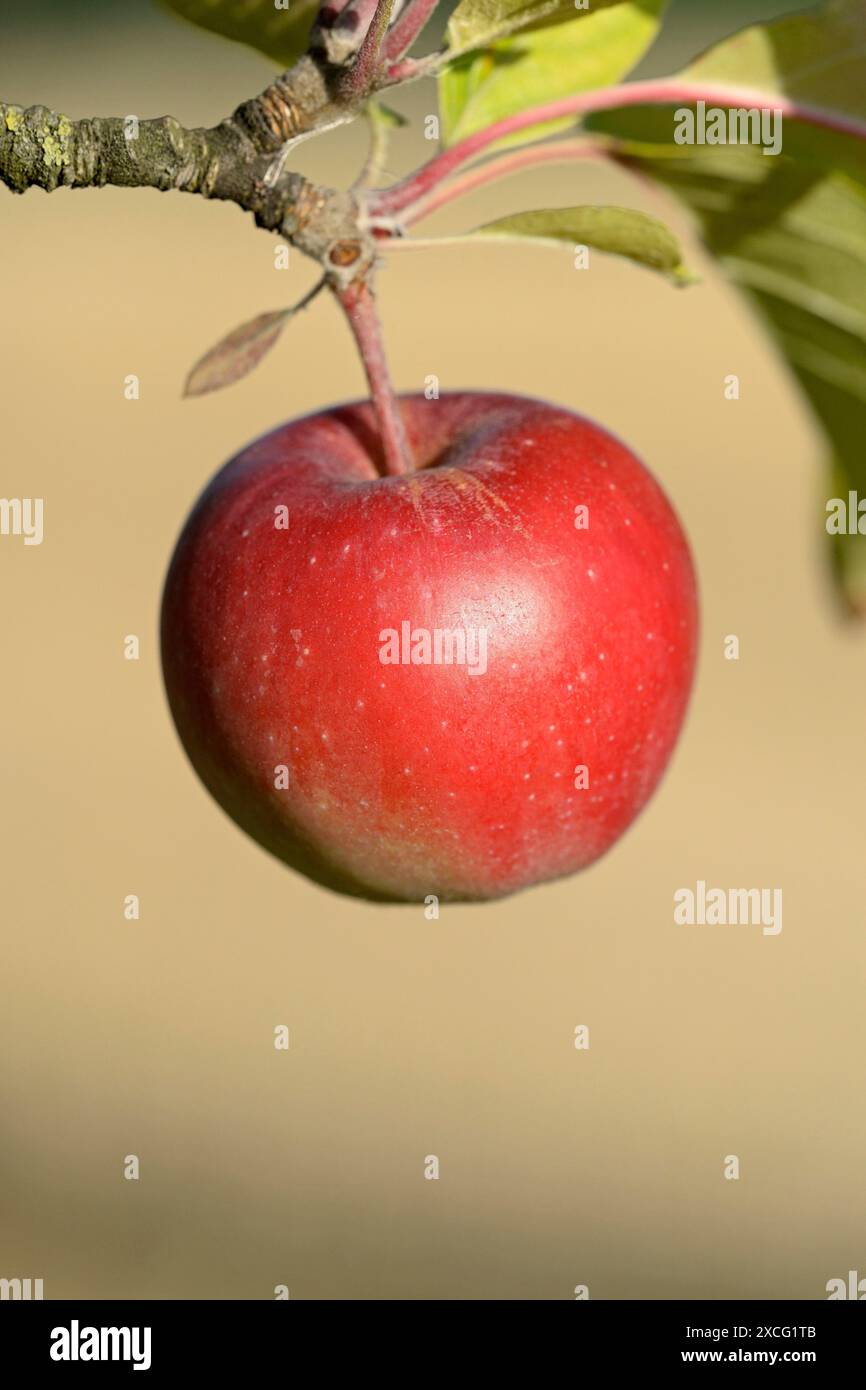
pixel 360 78
pixel 411 69
pixel 360 309
pixel 665 91
pixel 563 151
pixel 406 29
pixel 374 165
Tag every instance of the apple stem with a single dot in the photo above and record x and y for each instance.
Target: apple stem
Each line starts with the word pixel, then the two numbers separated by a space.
pixel 662 91
pixel 501 167
pixel 359 306
pixel 405 30
pixel 359 79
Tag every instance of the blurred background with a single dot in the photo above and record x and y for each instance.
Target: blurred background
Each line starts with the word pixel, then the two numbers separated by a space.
pixel 408 1037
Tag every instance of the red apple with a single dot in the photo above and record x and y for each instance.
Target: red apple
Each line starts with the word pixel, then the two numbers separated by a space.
pixel 312 606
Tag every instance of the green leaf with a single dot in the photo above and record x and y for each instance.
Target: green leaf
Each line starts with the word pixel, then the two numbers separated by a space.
pixel 476 23
pixel 618 231
pixel 236 355
pixel 568 53
pixel 281 35
pixel 795 242
pixel 806 271
pixel 817 57
pixel 789 230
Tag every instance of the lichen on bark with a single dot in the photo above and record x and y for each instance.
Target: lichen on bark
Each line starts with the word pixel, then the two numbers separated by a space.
pixel 241 160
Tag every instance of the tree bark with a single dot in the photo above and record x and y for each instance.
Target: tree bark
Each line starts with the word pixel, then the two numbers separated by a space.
pixel 240 160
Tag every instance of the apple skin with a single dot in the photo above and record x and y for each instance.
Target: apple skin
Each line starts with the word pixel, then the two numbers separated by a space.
pixel 411 780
